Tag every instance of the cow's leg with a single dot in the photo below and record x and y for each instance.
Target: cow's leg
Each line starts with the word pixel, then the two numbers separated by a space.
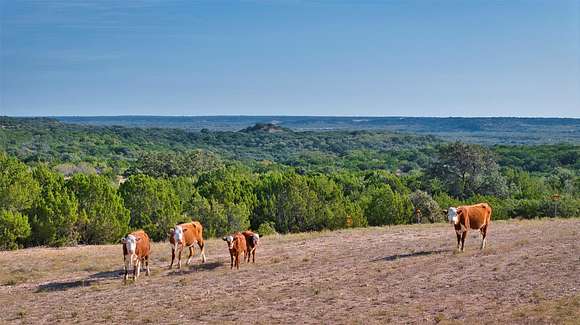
pixel 202 249
pixel 254 255
pixel 458 240
pixel 179 257
pixel 173 249
pixel 190 255
pixel 231 261
pixel 147 265
pixel 126 262
pixel 137 268
pixel 463 235
pixel 484 236
pixel 238 261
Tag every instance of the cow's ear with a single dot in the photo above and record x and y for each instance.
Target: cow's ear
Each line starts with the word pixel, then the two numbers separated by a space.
pixel 138 238
pixel 184 230
pixel 225 239
pixel 123 240
pixel 445 211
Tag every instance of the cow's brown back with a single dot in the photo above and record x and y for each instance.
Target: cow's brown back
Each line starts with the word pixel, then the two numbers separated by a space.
pixel 474 216
pixel 192 233
pixel 143 244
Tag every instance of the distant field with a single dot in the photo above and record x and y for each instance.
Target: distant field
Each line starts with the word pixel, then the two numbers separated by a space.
pixel 405 274
pixel 496 130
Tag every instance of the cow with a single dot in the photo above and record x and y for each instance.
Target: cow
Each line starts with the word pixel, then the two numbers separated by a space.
pixel 477 217
pixel 186 235
pixel 136 249
pixel 252 241
pixel 236 246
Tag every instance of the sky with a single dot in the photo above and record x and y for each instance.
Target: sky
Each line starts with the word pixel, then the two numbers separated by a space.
pixel 290 57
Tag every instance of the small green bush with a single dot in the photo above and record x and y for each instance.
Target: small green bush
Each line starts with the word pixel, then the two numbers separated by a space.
pixel 14 228
pixel 267 228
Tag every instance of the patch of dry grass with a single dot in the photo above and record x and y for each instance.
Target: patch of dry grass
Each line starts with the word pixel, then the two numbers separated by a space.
pixel 401 274
pixel 560 311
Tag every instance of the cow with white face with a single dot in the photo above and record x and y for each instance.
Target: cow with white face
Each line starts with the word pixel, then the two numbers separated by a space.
pixel 463 218
pixel 452 215
pixel 136 249
pixel 186 235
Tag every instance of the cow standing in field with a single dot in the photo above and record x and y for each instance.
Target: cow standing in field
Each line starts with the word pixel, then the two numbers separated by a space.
pixel 236 246
pixel 477 217
pixel 136 249
pixel 252 241
pixel 186 235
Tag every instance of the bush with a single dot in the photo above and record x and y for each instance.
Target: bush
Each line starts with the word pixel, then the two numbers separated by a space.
pixel 14 229
pixel 54 215
pixel 428 207
pixel 382 206
pixel 17 187
pixel 219 219
pixel 102 216
pixel 267 228
pixel 153 203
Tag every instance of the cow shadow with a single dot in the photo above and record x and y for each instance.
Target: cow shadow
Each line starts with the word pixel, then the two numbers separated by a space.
pixel 86 282
pixel 208 266
pixel 407 255
pixel 62 286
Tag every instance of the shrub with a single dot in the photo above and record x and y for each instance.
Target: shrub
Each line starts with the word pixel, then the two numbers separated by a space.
pixel 14 229
pixel 54 213
pixel 267 228
pixel 428 207
pixel 102 216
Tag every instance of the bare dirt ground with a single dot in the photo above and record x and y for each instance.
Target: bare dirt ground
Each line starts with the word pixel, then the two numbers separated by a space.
pixel 529 273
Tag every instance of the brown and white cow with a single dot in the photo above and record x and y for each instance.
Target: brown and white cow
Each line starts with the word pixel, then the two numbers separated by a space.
pixel 477 217
pixel 236 246
pixel 186 235
pixel 136 249
pixel 252 241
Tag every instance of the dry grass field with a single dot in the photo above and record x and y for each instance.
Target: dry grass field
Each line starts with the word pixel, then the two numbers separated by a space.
pixel 530 273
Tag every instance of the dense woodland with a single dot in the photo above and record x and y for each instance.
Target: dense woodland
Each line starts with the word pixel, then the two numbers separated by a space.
pixel 63 184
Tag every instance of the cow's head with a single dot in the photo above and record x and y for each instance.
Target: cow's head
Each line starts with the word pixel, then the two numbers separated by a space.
pixel 230 241
pixel 256 239
pixel 453 215
pixel 178 234
pixel 130 243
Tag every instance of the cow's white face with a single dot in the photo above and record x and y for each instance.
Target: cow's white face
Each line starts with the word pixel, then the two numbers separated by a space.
pixel 130 243
pixel 452 215
pixel 256 239
pixel 230 241
pixel 178 234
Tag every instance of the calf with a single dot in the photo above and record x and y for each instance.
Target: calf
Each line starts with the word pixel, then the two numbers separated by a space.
pixel 252 241
pixel 136 249
pixel 186 235
pixel 477 217
pixel 236 245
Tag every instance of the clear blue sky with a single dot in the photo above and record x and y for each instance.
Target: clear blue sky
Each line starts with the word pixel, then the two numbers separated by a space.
pixel 261 57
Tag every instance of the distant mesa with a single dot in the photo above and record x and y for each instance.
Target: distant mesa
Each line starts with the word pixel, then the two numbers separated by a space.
pixel 265 127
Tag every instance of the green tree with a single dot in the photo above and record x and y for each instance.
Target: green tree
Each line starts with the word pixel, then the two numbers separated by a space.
pixel 468 169
pixel 522 185
pixel 18 189
pixel 382 206
pixel 217 218
pixel 14 229
pixel 54 214
pixel 102 216
pixel 153 204
pixel 429 208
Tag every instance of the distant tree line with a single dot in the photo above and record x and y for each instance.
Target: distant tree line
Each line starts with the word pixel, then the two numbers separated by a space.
pixel 39 205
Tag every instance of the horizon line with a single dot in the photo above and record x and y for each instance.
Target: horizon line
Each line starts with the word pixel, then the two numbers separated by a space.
pixel 289 116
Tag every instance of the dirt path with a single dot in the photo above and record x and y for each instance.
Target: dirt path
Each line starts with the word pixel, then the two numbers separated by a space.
pixel 406 274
